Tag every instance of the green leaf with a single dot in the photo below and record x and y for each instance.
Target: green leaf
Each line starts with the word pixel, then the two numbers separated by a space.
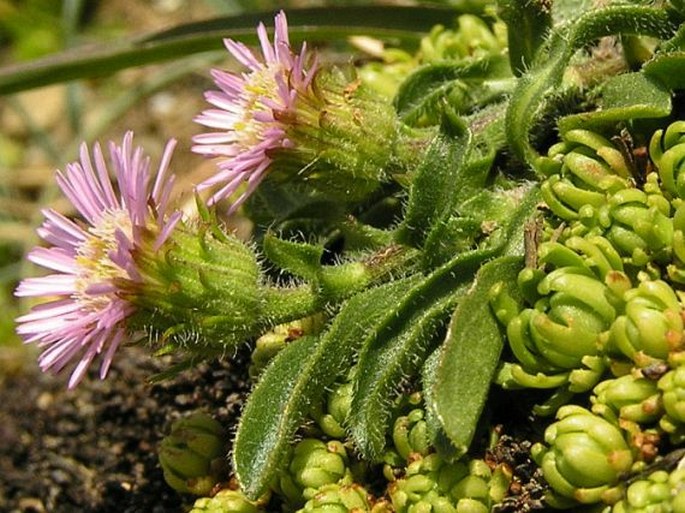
pixel 298 258
pixel 436 433
pixel 624 97
pixel 297 378
pixel 396 348
pixel 470 354
pixel 383 364
pixel 547 71
pixel 528 22
pixel 421 97
pixel 438 183
pixel 398 23
pixel 667 68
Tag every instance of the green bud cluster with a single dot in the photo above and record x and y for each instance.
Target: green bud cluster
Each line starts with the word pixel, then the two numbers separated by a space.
pixel 410 434
pixel 660 492
pixel 338 498
pixel 227 501
pixel 432 484
pixel 595 298
pixel 672 387
pixel 472 38
pixel 191 455
pixel 314 464
pixel 628 398
pixel 585 457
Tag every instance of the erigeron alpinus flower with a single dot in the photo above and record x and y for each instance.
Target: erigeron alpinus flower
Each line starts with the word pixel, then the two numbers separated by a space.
pixel 251 109
pixel 84 314
pixel 290 117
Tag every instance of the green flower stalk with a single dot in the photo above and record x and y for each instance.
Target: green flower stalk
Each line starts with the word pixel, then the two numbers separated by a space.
pixel 659 492
pixel 586 455
pixel 227 501
pixel 192 455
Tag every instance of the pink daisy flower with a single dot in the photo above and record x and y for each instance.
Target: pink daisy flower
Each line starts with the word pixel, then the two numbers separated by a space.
pixel 253 111
pixel 85 314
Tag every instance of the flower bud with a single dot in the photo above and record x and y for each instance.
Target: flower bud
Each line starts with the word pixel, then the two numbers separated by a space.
pixel 660 491
pixel 201 289
pixel 652 326
pixel 672 386
pixel 314 464
pixel 667 152
pixel 629 398
pixel 226 501
pixel 564 327
pixel 338 403
pixel 191 455
pixel 586 457
pixel 338 498
pixel 410 434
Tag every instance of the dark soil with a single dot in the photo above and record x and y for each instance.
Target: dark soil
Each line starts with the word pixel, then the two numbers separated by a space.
pixel 94 449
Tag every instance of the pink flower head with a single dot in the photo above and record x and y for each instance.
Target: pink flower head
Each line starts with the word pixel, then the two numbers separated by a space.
pixel 252 110
pixel 85 314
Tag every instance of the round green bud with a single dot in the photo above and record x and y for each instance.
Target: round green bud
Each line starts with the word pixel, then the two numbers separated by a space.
pixel 672 386
pixel 191 455
pixel 586 455
pixel 338 498
pixel 225 501
pixel 410 434
pixel 338 403
pixel 630 398
pixel 660 492
pixel 314 464
pixel 652 326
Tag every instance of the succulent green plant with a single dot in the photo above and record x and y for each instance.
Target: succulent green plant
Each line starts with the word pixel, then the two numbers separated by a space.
pixel 191 455
pixel 517 185
pixel 585 457
pixel 659 491
pixel 227 501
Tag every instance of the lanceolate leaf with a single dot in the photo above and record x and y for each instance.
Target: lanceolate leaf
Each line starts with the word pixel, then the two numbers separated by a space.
pixel 403 23
pixel 438 182
pixel 296 378
pixel 301 259
pixel 390 357
pixel 470 354
pixel 394 351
